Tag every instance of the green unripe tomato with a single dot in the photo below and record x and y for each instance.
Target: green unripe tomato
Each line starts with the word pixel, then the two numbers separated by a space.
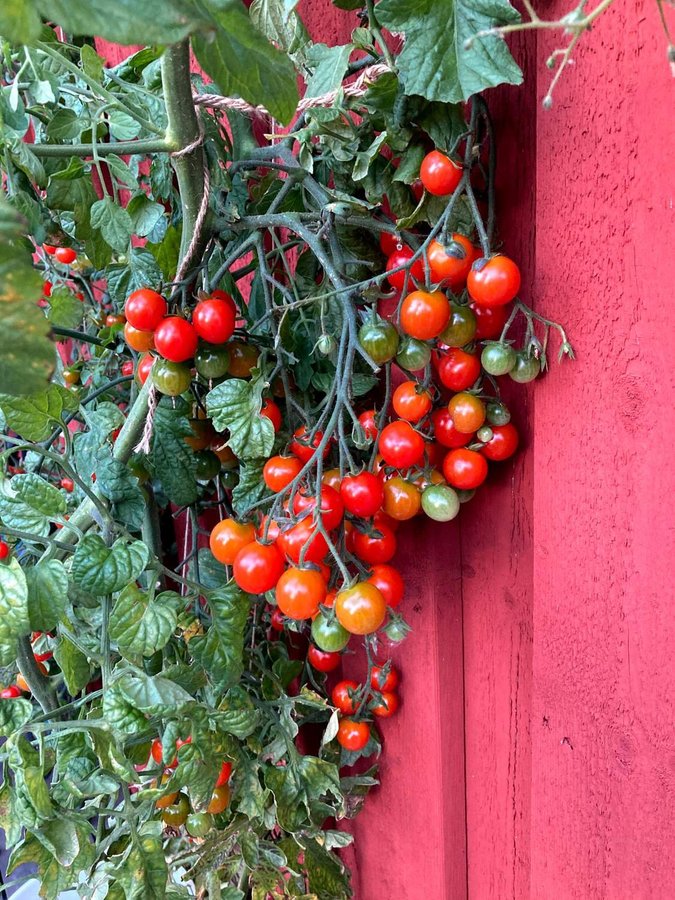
pixel 485 434
pixel 526 368
pixel 413 355
pixel 464 496
pixel 176 814
pixel 199 824
pixel 326 344
pixel 229 478
pixel 440 502
pixel 498 359
pixel 212 360
pixel 170 378
pixel 208 465
pixel 461 329
pixel 497 413
pixel 379 340
pixel 329 635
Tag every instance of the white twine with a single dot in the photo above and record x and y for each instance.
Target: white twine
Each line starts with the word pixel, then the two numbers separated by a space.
pixel 143 446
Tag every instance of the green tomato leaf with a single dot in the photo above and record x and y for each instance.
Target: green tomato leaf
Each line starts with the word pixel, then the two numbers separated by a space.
pixel 434 61
pixel 171 459
pixel 65 310
pixel 114 223
pixel 34 418
pixel 40 495
pixel 220 651
pixel 122 715
pixel 145 874
pixel 121 171
pixel 141 271
pixel 60 837
pixel 47 583
pixel 329 65
pixel 152 693
pixel 144 214
pixel 74 665
pixel 279 22
pixel 251 486
pixel 19 22
pixel 243 63
pixel 14 513
pixel 65 125
pixel 104 570
pixel 234 405
pixel 14 621
pixel 14 713
pixel 54 879
pixel 141 625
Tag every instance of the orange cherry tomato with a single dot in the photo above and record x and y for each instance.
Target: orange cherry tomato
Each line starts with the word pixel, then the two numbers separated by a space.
pixel 410 402
pixel 450 263
pixel 468 412
pixel 300 592
pixel 141 341
pixel 220 800
pixel 401 499
pixel 228 537
pixel 424 315
pixel 360 609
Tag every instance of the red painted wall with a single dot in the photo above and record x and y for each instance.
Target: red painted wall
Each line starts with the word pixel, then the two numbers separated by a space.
pixel 534 754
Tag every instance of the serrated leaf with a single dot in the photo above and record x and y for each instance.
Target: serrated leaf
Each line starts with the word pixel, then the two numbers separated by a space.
pixel 166 252
pixel 141 625
pixel 243 63
pixel 19 22
pixel 103 570
pixel 329 66
pixel 122 715
pixel 145 874
pixel 123 127
pixel 47 583
pixel 114 223
pixel 65 125
pixel 121 171
pixel 65 310
pixel 14 513
pixel 212 574
pixel 34 417
pixel 279 22
pixel 220 651
pixel 152 693
pixel 144 213
pixel 73 664
pixel 141 271
pixel 54 879
pixel 60 837
pixel 40 495
pixel 14 622
pixel 250 487
pixel 434 61
pixel 234 405
pixel 14 713
pixel 171 459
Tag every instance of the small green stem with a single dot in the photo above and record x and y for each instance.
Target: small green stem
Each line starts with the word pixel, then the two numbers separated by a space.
pixel 121 148
pixel 36 681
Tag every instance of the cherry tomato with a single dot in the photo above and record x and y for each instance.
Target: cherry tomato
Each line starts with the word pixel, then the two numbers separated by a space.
pixel 113 320
pixel 272 412
pixel 413 355
pixel 379 340
pixel 389 582
pixel 49 249
pixel 141 341
pixel 490 320
pixel 220 800
pixel 503 443
pixel 11 692
pixel 243 359
pixel 328 634
pixel 143 367
pixel 258 567
pixel 127 367
pixel 145 309
pixel 450 263
pixel 387 706
pixel 202 434
pixel 301 447
pixel 467 411
pixel 331 506
pixel 410 402
pixel 294 539
pixel 401 499
pixel 461 328
pixel 157 753
pixel 214 318
pixel 353 735
pixel 368 421
pixel 384 679
pixel 526 368
pixel 300 592
pixel 279 471
pixel 277 620
pixel 497 358
pixel 47 289
pixel 198 825
pixel 43 657
pixel 402 257
pixel 176 814
pixel 361 609
pixel 228 537
pixel 439 174
pixel 225 772
pixel 176 339
pixel 212 361
pixel 65 255
pixel 68 485
pixel 493 282
pixel 498 413
pixel 440 502
pixel 445 432
pixel 322 661
pixel 71 376
pixel 458 370
pixel 362 494
pixel 465 469
pixel 167 799
pixel 373 549
pixel 343 696
pixel 400 445
pixel 424 315
pixel 389 243
pixel 171 378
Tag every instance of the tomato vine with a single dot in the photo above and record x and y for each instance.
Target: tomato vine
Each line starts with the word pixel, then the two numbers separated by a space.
pixel 271 352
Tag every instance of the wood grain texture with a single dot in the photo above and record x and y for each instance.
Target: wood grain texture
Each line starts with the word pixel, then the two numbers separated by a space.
pixel 603 749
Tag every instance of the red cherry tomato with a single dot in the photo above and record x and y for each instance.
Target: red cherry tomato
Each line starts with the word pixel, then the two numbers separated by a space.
pixel 279 471
pixel 375 549
pixel 65 255
pixel 323 660
pixel 457 369
pixel 451 263
pixel 490 320
pixel 353 735
pixel 424 315
pixel 272 412
pixel 401 258
pixel 439 174
pixel 144 366
pixel 504 443
pixel 389 243
pixel 225 772
pixel 127 367
pixel 368 422
pixel 49 249
pixel 258 567
pixel 145 309
pixel 176 339
pixel 301 447
pixel 389 583
pixel 4 550
pixel 10 693
pixel 292 541
pixel 387 706
pixel 214 318
pixel 362 494
pixel 300 592
pixel 445 431
pixel 382 681
pixel 47 289
pixel 410 403
pixel 68 485
pixel 400 445
pixel 331 506
pixel 465 469
pixel 277 620
pixel 493 282
pixel 343 696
